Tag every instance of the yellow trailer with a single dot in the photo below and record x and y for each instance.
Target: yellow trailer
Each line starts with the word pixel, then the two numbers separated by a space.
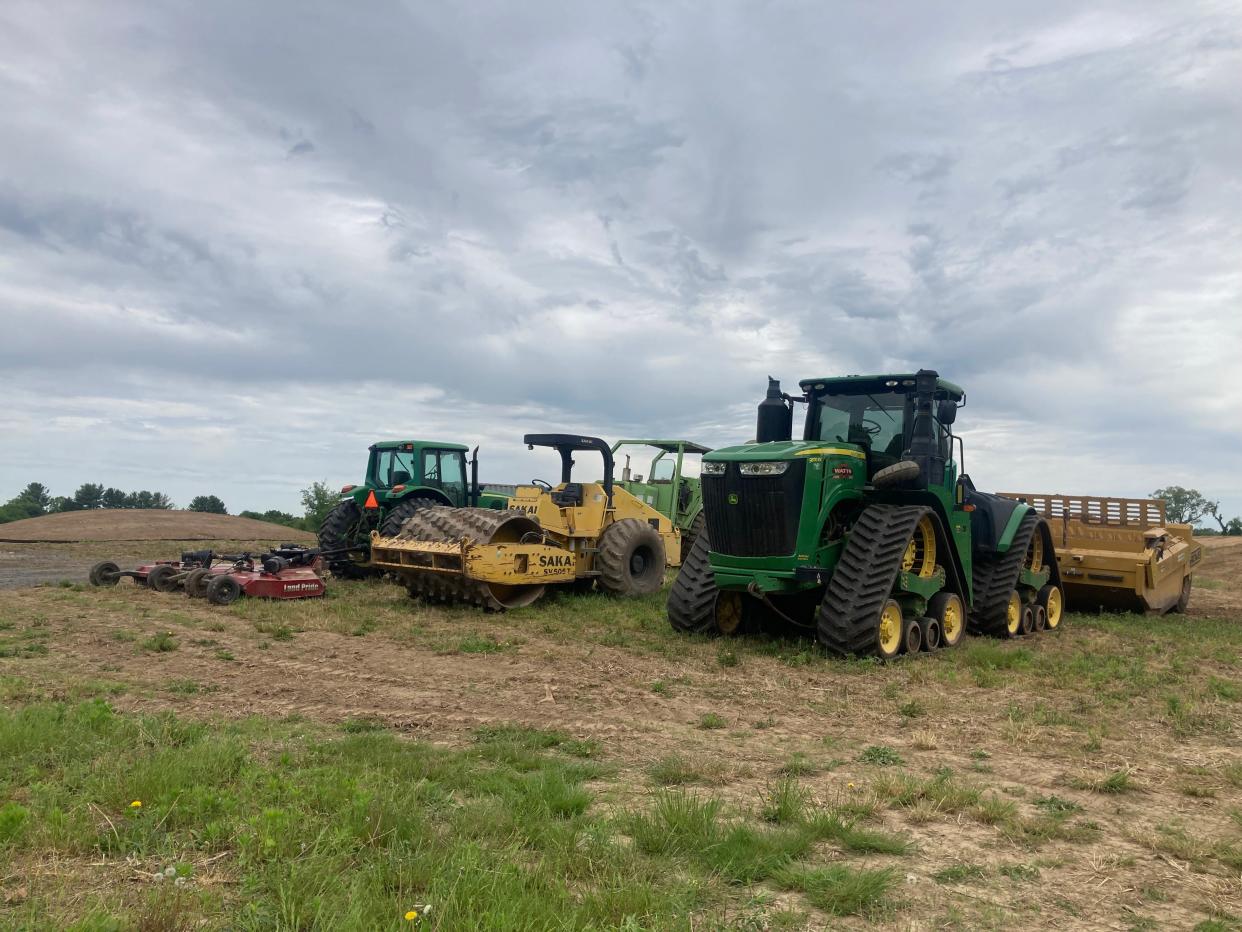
pixel 1118 553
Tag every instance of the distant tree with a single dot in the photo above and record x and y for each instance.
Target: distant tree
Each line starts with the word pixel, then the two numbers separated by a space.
pixel 37 494
pixel 274 516
pixel 115 498
pixel 1233 527
pixel 209 504
pixel 89 495
pixel 318 500
pixel 1184 506
pixel 63 503
pixel 145 499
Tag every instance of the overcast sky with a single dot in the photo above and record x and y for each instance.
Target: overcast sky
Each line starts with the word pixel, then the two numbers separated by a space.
pixel 241 241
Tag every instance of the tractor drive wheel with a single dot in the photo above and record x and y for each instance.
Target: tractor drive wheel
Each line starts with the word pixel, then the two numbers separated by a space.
pixel 223 590
pixel 163 578
pixel 402 512
pixel 106 573
pixel 196 583
pixel 631 558
pixel 691 534
pixel 696 605
pixel 1053 602
pixel 949 612
pixel 343 527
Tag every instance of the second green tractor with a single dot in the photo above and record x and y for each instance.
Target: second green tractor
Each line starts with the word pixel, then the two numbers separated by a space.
pixel 866 530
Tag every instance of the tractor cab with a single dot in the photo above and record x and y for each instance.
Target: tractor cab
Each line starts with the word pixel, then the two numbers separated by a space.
pixel 671 482
pixel 396 466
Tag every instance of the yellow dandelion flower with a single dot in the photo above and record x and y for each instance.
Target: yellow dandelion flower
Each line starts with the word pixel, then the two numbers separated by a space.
pixel 411 915
pixel 136 804
pixel 851 785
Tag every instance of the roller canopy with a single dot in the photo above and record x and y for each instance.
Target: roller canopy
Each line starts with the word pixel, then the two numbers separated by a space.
pixel 566 444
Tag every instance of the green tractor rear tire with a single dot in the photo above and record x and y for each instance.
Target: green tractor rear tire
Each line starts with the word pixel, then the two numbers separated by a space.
pixel 402 512
pixel 343 527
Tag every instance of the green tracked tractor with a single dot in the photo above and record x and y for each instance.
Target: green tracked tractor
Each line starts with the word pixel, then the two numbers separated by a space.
pixel 865 530
pixel 403 476
pixel 667 488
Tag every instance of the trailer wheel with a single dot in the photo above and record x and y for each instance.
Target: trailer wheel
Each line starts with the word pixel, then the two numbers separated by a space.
pixel 947 609
pixel 223 590
pixel 890 631
pixel 1053 602
pixel 106 573
pixel 912 639
pixel 631 558
pixel 196 583
pixel 1183 600
pixel 162 578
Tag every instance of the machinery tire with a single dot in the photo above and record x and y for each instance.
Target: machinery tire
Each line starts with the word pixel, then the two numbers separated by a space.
pixel 631 558
pixel 106 573
pixel 1028 619
pixel 897 475
pixel 691 534
pixel 223 590
pixel 1183 600
pixel 949 611
pixel 1052 599
pixel 996 579
pixel 1041 618
pixel 694 601
pixel 196 583
pixel 162 578
pixel 336 532
pixel 912 637
pixel 931 634
pixel 401 512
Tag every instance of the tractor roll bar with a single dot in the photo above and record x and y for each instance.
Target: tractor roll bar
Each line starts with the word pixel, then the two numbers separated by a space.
pixel 566 444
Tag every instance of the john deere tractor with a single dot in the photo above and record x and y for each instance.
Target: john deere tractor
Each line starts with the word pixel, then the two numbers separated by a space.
pixel 667 488
pixel 402 477
pixel 864 530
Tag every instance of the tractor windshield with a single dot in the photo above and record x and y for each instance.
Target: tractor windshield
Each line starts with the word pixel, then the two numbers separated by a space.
pixel 873 420
pixel 446 470
pixel 394 467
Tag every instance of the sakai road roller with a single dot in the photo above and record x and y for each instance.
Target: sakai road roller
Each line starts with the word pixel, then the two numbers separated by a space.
pixel 579 534
pixel 864 530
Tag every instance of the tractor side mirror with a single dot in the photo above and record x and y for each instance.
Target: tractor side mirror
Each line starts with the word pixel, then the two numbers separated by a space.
pixel 946 412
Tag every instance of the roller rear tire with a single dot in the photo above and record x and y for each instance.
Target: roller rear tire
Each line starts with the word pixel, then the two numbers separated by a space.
pixel 631 559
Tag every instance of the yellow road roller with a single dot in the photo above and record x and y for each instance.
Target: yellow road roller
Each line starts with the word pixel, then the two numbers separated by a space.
pixel 579 534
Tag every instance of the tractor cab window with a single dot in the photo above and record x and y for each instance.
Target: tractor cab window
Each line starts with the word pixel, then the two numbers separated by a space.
pixel 662 469
pixel 873 420
pixel 394 467
pixel 446 470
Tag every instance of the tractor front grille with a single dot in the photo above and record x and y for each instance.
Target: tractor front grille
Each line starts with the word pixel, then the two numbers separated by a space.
pixel 762 518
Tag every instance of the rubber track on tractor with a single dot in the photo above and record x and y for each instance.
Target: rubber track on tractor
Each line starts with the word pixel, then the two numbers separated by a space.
pixel 864 576
pixel 442 523
pixel 996 578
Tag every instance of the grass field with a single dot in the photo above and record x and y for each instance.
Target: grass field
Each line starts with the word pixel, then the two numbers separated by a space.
pixel 344 763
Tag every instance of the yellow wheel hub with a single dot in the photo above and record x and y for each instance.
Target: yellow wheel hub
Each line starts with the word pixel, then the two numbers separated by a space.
pixel 890 628
pixel 729 612
pixel 1035 553
pixel 1052 608
pixel 920 555
pixel 951 623
pixel 1013 614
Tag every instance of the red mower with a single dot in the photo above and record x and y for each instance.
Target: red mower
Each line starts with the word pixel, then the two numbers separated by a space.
pixel 288 572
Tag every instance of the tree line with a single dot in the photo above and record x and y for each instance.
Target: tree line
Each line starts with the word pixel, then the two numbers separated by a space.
pixel 1189 506
pixel 36 500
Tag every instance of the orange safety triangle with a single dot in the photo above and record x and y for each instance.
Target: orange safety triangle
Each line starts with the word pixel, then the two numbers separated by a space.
pixel 371 502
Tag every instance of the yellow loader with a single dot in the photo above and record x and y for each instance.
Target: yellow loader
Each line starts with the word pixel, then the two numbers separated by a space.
pixel 579 534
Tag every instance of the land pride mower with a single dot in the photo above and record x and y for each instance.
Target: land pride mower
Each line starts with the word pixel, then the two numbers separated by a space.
pixel 864 530
pixel 402 477
pixel 579 534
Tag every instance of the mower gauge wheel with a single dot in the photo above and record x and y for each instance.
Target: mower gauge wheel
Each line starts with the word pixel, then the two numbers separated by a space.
pixel 223 590
pixel 106 573
pixel 163 578
pixel 196 583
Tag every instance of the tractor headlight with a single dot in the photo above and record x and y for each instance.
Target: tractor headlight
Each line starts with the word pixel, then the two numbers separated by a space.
pixel 763 469
pixel 713 469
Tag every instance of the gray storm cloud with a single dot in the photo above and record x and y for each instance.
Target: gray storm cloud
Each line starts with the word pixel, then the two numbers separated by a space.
pixel 240 241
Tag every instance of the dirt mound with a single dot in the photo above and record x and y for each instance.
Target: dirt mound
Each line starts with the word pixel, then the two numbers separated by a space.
pixel 148 524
